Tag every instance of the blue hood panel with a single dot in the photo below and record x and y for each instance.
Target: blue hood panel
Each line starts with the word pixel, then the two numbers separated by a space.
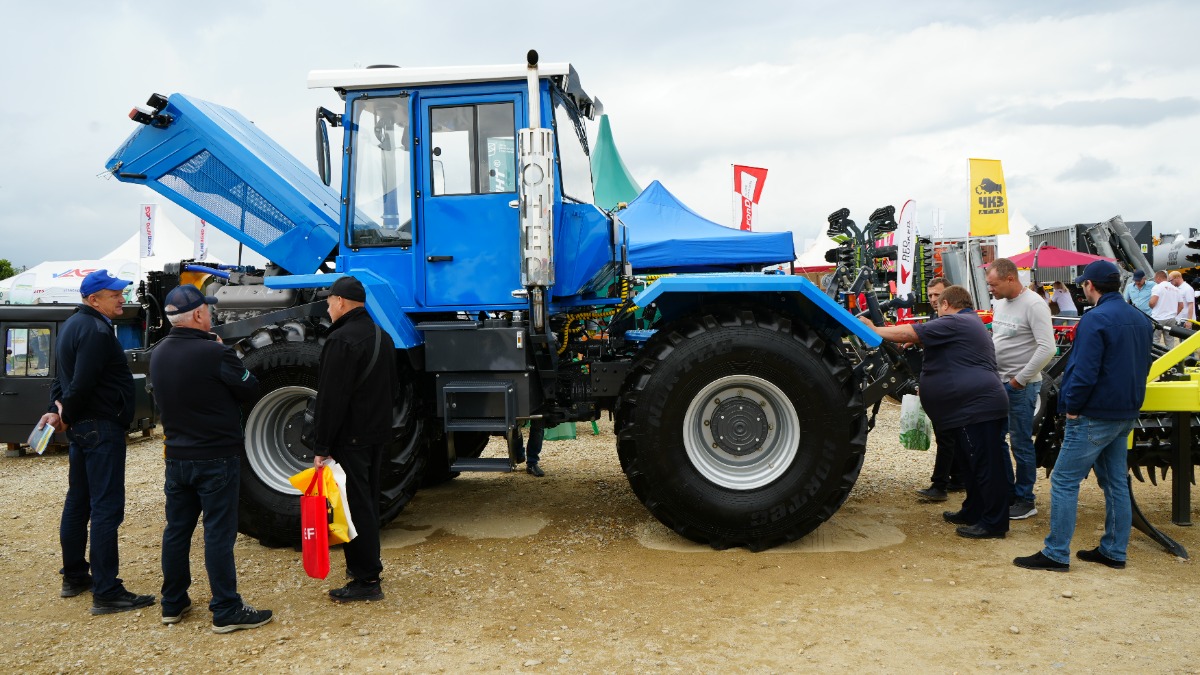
pixel 216 164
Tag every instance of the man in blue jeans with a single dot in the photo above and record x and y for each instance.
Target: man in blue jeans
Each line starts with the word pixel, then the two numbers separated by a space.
pixel 1101 393
pixel 1024 341
pixel 91 399
pixel 199 385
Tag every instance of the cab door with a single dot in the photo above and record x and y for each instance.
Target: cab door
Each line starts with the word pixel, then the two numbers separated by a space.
pixel 471 238
pixel 25 381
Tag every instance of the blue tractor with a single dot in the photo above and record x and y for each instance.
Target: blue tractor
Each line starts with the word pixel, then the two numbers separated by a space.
pixel 465 208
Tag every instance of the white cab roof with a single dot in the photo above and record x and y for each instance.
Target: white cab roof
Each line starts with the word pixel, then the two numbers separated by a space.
pixel 374 78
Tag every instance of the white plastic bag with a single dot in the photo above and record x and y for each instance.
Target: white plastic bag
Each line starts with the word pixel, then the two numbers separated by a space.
pixel 915 428
pixel 339 476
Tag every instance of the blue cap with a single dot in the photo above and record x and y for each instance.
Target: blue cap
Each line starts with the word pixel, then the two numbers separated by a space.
pixel 1138 275
pixel 185 298
pixel 1100 270
pixel 101 280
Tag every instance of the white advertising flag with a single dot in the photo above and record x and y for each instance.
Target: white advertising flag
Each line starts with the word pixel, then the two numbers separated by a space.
pixel 146 214
pixel 200 245
pixel 906 248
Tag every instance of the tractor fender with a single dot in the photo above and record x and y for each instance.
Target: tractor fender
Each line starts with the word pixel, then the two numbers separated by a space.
pixel 695 289
pixel 381 302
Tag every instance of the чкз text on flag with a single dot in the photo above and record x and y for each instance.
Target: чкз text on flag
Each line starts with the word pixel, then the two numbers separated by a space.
pixel 988 198
pixel 747 189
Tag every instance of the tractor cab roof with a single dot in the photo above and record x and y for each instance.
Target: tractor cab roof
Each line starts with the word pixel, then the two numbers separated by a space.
pixel 390 77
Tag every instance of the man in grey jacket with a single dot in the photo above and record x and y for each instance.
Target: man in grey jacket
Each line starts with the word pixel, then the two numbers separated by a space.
pixel 1024 341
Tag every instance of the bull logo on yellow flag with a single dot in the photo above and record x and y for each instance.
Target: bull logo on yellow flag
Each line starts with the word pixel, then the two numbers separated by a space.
pixel 989 203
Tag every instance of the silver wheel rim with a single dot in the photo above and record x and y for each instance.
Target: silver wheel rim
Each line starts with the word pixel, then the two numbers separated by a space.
pixel 266 430
pixel 741 432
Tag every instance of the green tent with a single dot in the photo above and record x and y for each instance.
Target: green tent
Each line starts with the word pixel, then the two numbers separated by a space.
pixel 610 178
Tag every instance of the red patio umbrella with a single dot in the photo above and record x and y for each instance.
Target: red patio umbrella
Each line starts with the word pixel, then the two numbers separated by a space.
pixel 1052 256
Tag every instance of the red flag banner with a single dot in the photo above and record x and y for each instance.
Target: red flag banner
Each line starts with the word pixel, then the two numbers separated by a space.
pixel 747 189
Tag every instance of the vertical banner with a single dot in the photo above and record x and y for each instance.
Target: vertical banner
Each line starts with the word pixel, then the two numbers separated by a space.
pixel 200 241
pixel 989 203
pixel 747 189
pixel 146 215
pixel 906 248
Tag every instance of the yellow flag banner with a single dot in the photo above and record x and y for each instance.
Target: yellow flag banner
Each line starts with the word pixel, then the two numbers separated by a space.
pixel 989 202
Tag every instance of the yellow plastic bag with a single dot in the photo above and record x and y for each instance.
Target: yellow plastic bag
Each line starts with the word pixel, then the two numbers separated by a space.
pixel 340 529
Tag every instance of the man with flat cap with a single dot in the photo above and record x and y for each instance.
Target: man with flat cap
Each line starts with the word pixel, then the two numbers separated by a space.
pixel 1101 393
pixel 355 388
pixel 199 385
pixel 91 399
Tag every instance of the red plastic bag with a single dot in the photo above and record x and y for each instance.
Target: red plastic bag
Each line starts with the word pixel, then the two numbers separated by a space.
pixel 314 528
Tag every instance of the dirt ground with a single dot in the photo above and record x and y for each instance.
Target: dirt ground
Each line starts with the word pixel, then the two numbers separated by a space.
pixel 506 572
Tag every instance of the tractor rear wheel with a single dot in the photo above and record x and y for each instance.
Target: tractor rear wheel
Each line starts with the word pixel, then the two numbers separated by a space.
pixel 269 508
pixel 741 428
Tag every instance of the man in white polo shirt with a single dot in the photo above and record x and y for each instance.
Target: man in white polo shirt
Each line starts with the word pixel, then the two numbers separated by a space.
pixel 1187 295
pixel 1166 302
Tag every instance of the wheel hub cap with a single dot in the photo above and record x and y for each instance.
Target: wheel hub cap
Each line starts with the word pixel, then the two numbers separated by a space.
pixel 739 425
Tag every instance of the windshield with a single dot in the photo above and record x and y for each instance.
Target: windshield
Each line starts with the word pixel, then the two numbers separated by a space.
pixel 573 155
pixel 381 178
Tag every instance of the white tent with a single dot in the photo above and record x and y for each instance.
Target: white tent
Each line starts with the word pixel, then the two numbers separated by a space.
pixel 814 256
pixel 58 281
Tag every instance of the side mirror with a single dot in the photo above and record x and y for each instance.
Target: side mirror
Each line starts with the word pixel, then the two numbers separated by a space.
pixel 324 170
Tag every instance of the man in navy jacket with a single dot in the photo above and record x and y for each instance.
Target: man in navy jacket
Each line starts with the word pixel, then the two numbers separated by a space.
pixel 199 386
pixel 1101 393
pixel 91 399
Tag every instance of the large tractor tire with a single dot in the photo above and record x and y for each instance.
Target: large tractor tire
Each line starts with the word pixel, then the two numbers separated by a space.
pixel 740 428
pixel 269 508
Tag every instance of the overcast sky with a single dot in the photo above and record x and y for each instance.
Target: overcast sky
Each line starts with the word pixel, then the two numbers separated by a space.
pixel 1091 106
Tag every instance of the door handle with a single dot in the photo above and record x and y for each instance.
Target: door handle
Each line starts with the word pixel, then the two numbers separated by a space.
pixel 8 393
pixel 514 204
pixel 439 258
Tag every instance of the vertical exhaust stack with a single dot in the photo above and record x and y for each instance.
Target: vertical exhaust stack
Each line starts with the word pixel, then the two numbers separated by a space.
pixel 536 202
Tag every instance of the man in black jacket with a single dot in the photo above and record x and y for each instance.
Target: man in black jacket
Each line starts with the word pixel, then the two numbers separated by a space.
pixel 91 399
pixel 198 385
pixel 355 387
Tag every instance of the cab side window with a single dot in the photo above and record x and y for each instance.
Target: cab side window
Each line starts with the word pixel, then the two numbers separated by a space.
pixel 27 352
pixel 473 149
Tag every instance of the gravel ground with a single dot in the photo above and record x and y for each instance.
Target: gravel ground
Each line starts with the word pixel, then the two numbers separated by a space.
pixel 569 574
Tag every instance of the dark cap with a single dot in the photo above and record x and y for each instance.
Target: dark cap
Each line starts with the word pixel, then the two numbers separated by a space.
pixel 1138 275
pixel 101 280
pixel 349 288
pixel 1100 270
pixel 185 298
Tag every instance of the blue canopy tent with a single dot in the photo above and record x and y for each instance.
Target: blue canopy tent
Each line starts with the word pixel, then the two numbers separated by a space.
pixel 664 234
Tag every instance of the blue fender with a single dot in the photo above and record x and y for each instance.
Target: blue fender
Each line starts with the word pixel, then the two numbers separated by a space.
pixel 382 303
pixel 758 284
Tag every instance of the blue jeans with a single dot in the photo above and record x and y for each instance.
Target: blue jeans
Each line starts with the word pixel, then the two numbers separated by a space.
pixel 1103 445
pixel 95 493
pixel 533 451
pixel 1019 429
pixel 195 486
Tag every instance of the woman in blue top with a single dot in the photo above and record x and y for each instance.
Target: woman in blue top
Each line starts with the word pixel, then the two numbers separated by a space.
pixel 962 394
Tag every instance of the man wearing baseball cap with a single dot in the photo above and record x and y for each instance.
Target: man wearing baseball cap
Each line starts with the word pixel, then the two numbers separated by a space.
pixel 1137 292
pixel 1101 393
pixel 356 385
pixel 199 385
pixel 91 399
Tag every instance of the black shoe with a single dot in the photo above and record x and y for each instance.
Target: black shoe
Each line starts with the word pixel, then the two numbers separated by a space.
pixel 358 590
pixel 1096 556
pixel 534 470
pixel 932 494
pixel 978 532
pixel 955 487
pixel 1021 511
pixel 1038 561
pixel 955 518
pixel 175 617
pixel 73 587
pixel 124 602
pixel 246 617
